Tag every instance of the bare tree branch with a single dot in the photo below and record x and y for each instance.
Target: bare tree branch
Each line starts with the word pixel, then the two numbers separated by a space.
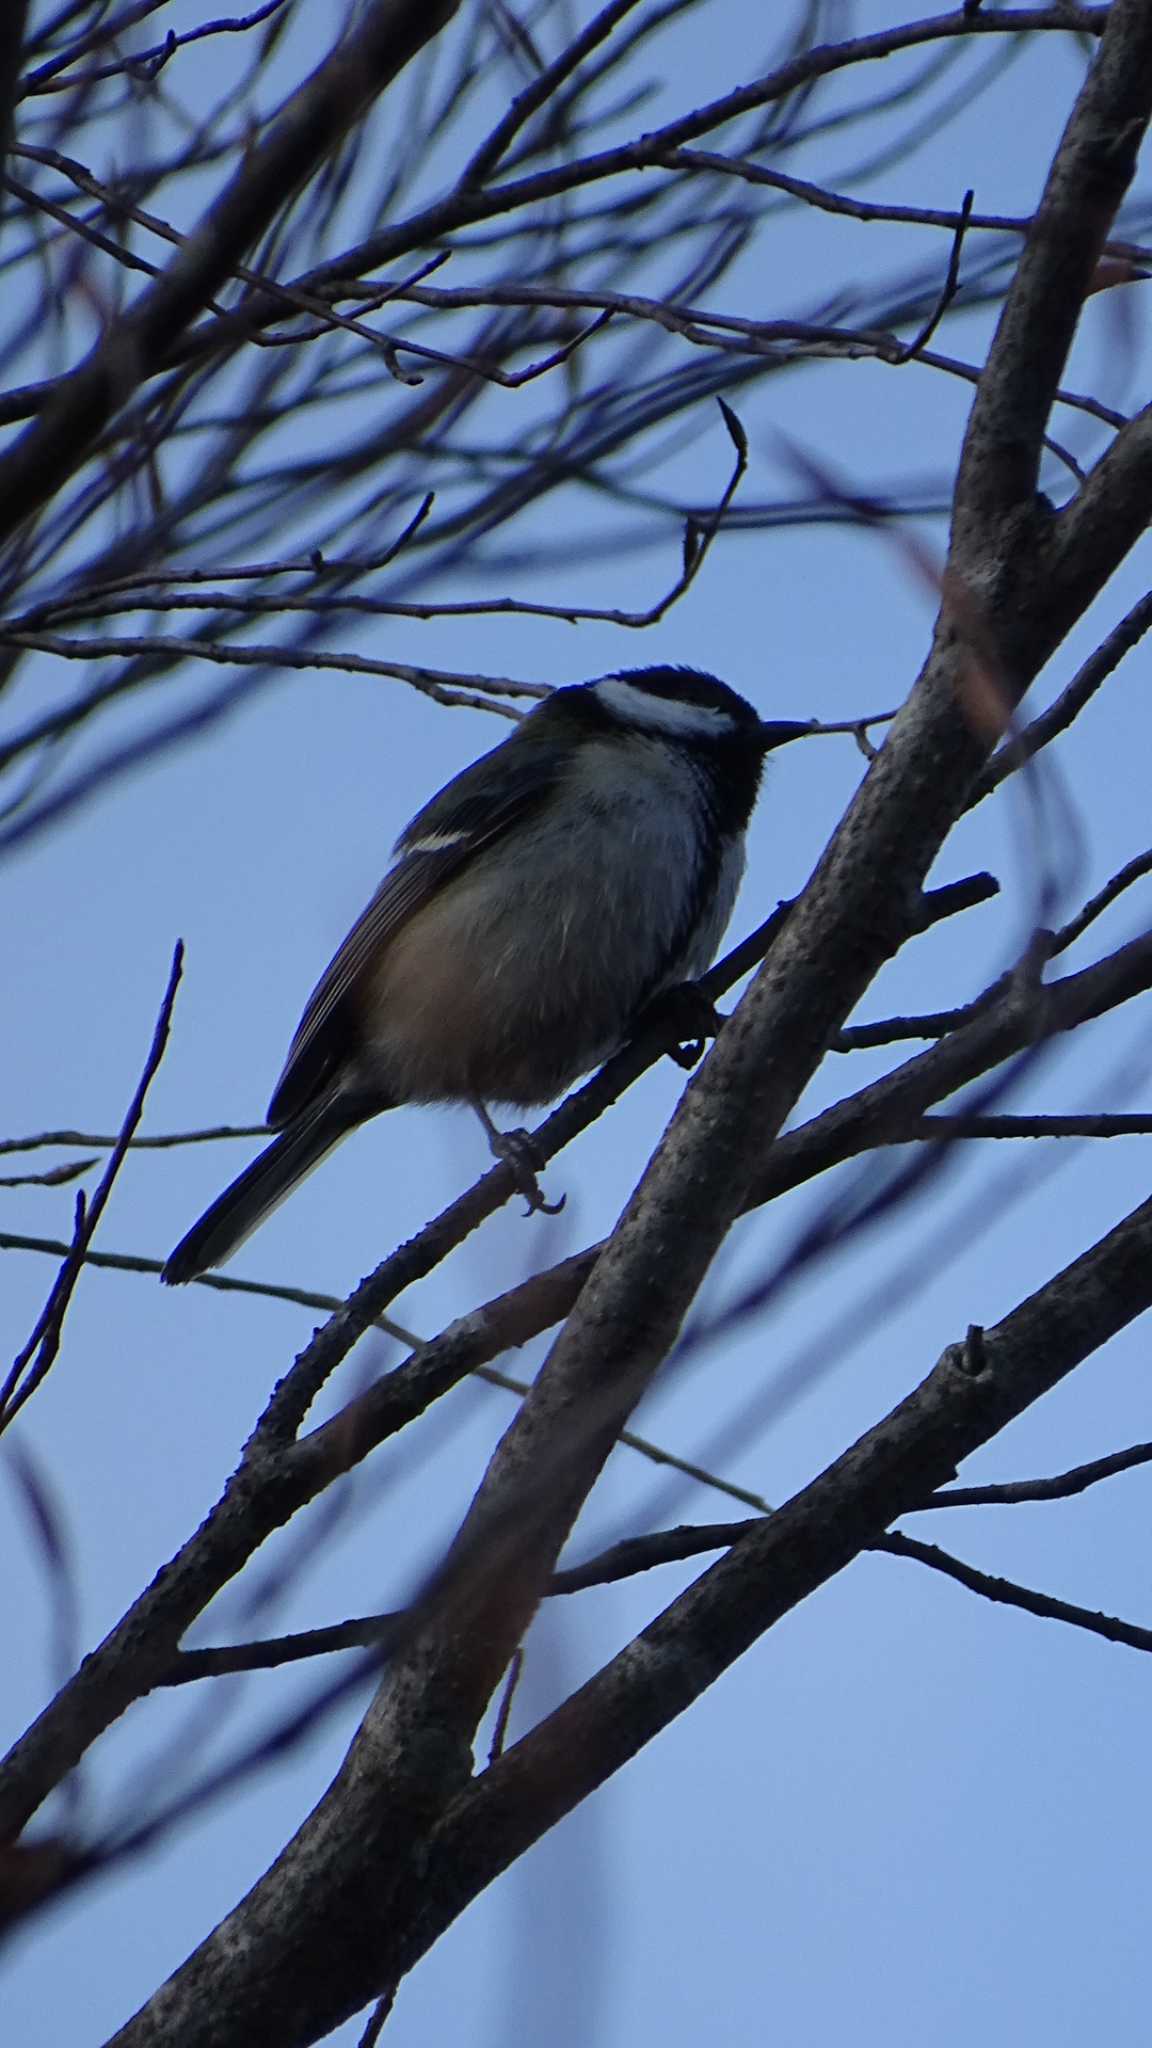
pixel 13 28
pixel 35 1359
pixel 309 128
pixel 1061 1486
pixel 1009 1594
pixel 799 1546
pixel 1091 675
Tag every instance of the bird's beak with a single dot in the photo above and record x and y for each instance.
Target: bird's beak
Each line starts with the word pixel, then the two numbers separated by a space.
pixel 776 732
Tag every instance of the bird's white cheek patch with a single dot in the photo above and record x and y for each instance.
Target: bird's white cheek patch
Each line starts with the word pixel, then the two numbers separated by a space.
pixel 653 713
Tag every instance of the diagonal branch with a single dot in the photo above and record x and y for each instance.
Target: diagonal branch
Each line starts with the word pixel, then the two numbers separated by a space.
pixel 278 1477
pixel 541 89
pixel 35 1359
pixel 1008 1593
pixel 1057 1486
pixel 772 1569
pixel 1092 169
pixel 1022 1018
pixel 1090 677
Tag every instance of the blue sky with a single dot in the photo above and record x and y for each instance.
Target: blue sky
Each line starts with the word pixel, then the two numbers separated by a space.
pixel 906 1813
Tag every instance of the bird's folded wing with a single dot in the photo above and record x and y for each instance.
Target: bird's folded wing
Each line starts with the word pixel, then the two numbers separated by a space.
pixel 474 810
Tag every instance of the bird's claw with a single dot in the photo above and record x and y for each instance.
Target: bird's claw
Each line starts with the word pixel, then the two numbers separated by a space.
pixel 687 1017
pixel 519 1151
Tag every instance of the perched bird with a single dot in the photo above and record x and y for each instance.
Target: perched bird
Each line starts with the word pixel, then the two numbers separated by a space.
pixel 535 907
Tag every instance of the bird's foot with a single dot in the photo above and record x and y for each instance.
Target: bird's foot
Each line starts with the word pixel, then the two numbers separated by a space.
pixel 519 1151
pixel 686 1018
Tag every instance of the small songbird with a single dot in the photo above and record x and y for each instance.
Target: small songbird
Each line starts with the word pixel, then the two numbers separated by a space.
pixel 534 909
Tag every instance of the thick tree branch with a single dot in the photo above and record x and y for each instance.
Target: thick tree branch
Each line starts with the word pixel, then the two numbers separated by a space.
pixel 788 1555
pixel 274 1484
pixel 1091 172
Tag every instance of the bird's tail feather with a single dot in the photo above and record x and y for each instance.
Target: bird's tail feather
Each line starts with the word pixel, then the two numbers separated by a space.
pixel 257 1191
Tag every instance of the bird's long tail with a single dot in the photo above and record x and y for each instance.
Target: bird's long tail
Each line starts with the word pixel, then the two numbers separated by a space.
pixel 258 1190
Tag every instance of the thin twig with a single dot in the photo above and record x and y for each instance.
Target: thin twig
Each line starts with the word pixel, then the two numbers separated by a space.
pixel 1106 1125
pixel 1059 1486
pixel 34 1361
pixel 867 210
pixel 143 64
pixel 484 160
pixel 159 1143
pixel 504 1711
pixel 1045 947
pixel 443 686
pixel 1008 1593
pixel 220 1283
pixel 638 1554
pixel 381 2012
pixel 948 290
pixel 1091 674
pixel 52 1177
pixel 1134 871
